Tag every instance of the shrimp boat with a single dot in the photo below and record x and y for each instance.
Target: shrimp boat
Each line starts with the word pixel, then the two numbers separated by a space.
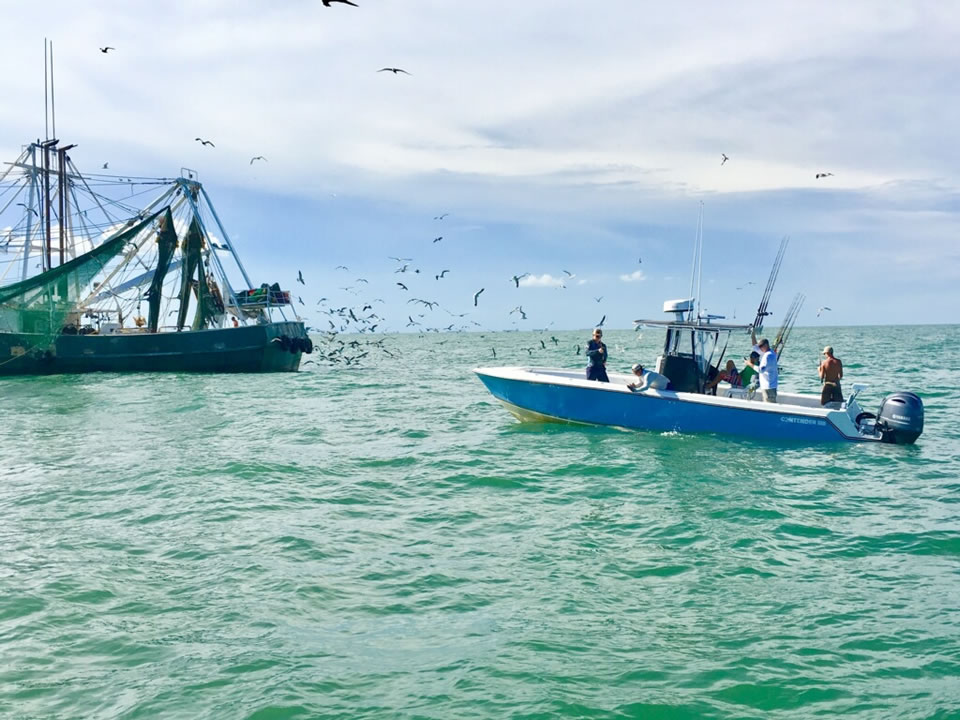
pixel 94 276
pixel 693 348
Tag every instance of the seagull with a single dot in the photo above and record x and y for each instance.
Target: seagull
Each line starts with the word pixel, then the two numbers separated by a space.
pixel 602 320
pixel 106 166
pixel 599 298
pixel 403 286
pixel 391 257
pixel 822 175
pixel 519 309
pixel 326 3
pixel 517 278
pixel 725 158
pixel 476 296
pixel 258 157
pixel 442 273
pixel 578 349
pixel 440 217
pixel 23 205
pixel 749 282
pixel 301 300
pixel 363 280
pixel 341 267
pixel 205 142
pixel 107 49
pixel 639 261
pixel 300 278
pixel 494 350
pixel 394 70
pixel 570 274
pixel 438 239
pixel 822 309
pixel 543 345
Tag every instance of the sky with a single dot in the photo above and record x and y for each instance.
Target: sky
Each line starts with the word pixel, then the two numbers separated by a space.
pixel 555 136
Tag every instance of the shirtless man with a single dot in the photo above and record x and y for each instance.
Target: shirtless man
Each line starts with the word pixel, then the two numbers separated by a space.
pixel 831 371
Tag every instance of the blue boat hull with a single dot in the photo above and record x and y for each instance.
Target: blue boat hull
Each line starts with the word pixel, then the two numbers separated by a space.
pixel 660 411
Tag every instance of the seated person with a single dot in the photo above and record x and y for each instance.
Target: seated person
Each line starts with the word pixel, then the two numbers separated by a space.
pixel 648 380
pixel 728 374
pixel 749 371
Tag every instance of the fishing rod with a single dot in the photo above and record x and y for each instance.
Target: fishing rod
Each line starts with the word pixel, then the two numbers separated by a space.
pixel 762 311
pixel 789 321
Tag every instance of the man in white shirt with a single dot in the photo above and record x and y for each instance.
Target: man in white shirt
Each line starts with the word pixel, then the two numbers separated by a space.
pixel 649 380
pixel 767 369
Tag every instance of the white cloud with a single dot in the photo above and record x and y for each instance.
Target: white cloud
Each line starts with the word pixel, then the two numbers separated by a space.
pixel 635 276
pixel 545 280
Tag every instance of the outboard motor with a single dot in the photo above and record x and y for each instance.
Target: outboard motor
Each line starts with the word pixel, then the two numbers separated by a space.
pixel 900 418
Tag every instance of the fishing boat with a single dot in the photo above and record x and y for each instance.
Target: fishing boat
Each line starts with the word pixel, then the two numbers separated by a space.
pixel 694 346
pixel 96 277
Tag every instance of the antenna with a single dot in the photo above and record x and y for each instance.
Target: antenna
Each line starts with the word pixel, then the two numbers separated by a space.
pixel 53 99
pixel 696 255
pixel 699 265
pixel 46 93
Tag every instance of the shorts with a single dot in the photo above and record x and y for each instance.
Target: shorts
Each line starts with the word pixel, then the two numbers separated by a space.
pixel 769 395
pixel 597 372
pixel 831 393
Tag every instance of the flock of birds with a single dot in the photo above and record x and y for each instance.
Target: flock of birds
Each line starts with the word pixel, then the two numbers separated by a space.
pixel 361 318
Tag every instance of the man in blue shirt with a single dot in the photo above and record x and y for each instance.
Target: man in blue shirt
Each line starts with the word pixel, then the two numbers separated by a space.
pixel 597 358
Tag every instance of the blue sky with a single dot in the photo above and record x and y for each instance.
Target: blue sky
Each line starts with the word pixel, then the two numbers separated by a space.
pixel 556 134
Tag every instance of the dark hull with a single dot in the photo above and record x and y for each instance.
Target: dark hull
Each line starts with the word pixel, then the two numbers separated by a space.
pixel 245 349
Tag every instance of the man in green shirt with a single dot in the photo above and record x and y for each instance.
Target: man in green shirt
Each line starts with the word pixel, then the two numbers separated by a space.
pixel 750 369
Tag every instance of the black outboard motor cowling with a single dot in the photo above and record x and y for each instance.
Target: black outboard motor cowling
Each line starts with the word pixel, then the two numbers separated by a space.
pixel 900 418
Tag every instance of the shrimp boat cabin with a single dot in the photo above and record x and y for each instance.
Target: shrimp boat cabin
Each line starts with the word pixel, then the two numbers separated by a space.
pixel 93 278
pixel 558 395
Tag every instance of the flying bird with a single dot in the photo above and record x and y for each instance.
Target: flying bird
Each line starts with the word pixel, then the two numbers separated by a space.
pixel 822 175
pixel 26 207
pixel 578 349
pixel 341 267
pixel 300 277
pixel 602 320
pixel 543 345
pixel 395 71
pixel 494 350
pixel 570 274
pixel 107 49
pixel 476 296
pixel 106 166
pixel 205 142
pixel 440 217
pixel 725 158
pixel 391 257
pixel 403 286
pixel 519 309
pixel 257 157
pixel 820 310
pixel 599 298
pixel 326 3
pixel 438 239
pixel 517 278
pixel 301 300
pixel 442 273
pixel 748 282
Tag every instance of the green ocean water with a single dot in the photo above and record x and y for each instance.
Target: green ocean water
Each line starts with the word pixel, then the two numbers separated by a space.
pixel 386 541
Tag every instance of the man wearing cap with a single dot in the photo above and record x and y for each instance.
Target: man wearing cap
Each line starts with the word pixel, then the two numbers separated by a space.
pixel 648 380
pixel 767 369
pixel 831 370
